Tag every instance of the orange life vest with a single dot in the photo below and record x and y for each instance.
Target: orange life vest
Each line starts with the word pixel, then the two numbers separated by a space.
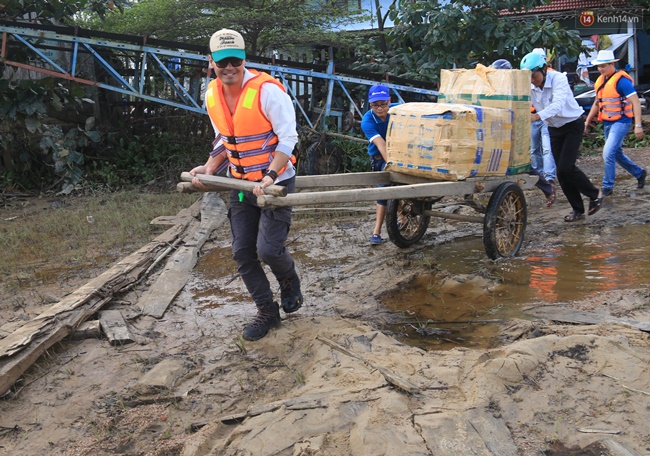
pixel 247 134
pixel 612 105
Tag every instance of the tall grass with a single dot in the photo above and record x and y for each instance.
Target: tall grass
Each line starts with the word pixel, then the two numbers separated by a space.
pixel 85 232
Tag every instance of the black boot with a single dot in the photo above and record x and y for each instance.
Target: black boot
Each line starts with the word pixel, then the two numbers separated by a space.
pixel 290 294
pixel 267 317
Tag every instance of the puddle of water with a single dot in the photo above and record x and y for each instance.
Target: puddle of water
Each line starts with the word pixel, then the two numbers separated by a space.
pixel 220 271
pixel 588 264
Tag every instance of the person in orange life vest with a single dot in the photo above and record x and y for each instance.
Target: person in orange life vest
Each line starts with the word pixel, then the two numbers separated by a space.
pixel 541 157
pixel 617 105
pixel 556 106
pixel 255 126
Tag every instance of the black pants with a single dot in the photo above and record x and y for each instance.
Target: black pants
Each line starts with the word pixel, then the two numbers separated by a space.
pixel 260 234
pixel 565 144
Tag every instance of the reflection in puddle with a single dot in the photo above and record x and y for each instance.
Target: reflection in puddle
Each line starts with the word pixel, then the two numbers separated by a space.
pixel 216 264
pixel 436 316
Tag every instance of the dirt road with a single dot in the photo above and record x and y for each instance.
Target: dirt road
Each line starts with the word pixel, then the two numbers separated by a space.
pixel 329 382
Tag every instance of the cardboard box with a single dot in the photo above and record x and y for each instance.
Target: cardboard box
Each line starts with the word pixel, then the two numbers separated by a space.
pixel 444 141
pixel 489 87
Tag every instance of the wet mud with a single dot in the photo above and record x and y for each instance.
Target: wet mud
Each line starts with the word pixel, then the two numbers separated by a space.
pixel 438 315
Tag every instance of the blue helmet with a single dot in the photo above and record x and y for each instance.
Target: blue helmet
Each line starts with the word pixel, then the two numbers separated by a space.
pixel 533 62
pixel 501 64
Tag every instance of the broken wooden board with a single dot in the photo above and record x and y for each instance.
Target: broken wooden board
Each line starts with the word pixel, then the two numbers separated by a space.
pixel 564 315
pixel 87 330
pixel 493 431
pixel 182 218
pixel 10 327
pixel 115 328
pixel 20 349
pixel 476 433
pixel 173 278
pixel 617 449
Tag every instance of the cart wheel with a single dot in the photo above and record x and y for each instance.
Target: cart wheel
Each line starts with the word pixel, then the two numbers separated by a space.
pixel 404 221
pixel 322 157
pixel 504 225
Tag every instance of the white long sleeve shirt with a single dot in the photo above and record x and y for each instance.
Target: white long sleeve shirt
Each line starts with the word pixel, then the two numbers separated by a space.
pixel 554 102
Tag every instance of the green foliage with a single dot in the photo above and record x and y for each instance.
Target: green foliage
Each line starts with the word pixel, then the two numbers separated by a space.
pixel 59 11
pixel 132 160
pixel 265 24
pixel 429 35
pixel 35 142
pixel 135 159
pixel 594 141
pixel 355 155
pixel 632 142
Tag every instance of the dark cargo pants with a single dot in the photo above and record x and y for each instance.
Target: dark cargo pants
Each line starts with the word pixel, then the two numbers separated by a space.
pixel 259 234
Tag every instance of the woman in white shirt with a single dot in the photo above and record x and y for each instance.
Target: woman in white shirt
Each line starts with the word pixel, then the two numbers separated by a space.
pixel 555 105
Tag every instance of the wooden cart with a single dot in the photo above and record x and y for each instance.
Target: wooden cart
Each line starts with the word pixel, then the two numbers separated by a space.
pixel 411 202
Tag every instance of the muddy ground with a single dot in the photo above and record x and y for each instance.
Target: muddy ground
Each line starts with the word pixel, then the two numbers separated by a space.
pixel 329 381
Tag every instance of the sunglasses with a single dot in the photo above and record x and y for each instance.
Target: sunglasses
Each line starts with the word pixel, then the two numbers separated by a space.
pixel 235 62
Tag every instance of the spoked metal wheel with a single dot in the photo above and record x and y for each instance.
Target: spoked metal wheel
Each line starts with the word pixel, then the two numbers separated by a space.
pixel 504 225
pixel 404 221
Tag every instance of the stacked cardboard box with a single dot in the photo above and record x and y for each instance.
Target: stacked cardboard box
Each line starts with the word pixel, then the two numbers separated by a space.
pixel 445 141
pixel 488 87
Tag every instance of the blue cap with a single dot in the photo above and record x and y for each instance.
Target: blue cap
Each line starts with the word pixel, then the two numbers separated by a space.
pixel 378 93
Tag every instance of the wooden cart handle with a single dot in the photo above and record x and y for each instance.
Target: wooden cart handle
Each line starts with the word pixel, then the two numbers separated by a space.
pixel 237 184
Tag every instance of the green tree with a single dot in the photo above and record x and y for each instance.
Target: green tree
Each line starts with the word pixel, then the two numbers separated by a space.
pixel 429 35
pixel 57 11
pixel 382 16
pixel 265 24
pixel 38 149
pixel 175 20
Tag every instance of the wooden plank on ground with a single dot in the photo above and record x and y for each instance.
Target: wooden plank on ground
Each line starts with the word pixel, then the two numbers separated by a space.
pixel 170 282
pixel 617 449
pixel 115 328
pixel 493 431
pixel 564 315
pixel 20 349
pixel 10 327
pixel 87 330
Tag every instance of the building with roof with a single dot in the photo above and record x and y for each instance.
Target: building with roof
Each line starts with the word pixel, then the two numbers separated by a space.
pixel 602 24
